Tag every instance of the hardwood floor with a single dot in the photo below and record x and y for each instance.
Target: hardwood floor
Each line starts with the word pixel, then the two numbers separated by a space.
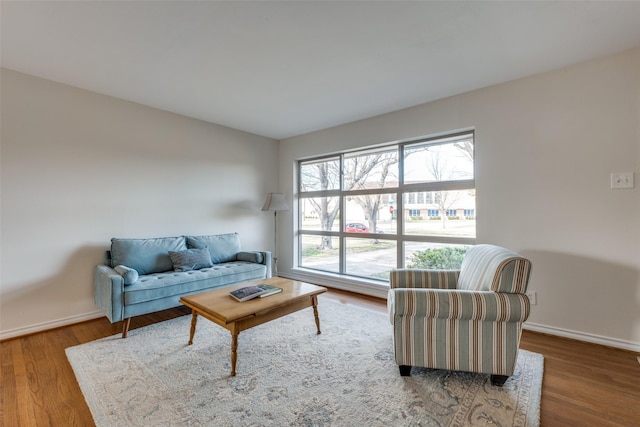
pixel 584 384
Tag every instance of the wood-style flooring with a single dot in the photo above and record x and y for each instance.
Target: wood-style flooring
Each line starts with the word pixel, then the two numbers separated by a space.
pixel 584 384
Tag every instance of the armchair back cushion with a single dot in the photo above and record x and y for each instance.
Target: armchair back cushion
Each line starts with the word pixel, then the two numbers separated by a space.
pixel 492 268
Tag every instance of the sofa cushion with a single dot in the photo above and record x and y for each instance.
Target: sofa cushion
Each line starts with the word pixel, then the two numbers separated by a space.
pixel 163 285
pixel 222 247
pixel 190 259
pixel 129 275
pixel 146 256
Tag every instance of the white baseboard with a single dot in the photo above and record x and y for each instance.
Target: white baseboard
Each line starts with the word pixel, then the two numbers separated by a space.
pixel 39 327
pixel 379 290
pixel 583 336
pixel 358 286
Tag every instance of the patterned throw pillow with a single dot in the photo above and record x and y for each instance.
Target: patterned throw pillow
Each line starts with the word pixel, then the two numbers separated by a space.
pixel 191 259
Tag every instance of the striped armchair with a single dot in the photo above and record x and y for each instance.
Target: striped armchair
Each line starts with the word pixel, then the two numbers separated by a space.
pixel 466 320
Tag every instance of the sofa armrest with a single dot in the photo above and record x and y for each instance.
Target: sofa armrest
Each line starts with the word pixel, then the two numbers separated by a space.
pixel 418 278
pixel 254 256
pixel 268 262
pixel 108 292
pixel 459 305
pixel 258 257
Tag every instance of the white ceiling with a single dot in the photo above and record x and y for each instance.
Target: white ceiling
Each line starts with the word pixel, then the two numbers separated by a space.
pixel 281 69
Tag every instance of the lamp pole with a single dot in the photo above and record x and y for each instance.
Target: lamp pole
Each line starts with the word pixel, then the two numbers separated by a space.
pixel 275 241
pixel 275 202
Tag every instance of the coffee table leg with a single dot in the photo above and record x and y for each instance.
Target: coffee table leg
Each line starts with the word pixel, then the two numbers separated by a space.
pixel 234 351
pixel 314 301
pixel 194 320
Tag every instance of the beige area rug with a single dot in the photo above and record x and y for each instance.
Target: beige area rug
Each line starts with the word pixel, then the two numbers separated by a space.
pixel 287 375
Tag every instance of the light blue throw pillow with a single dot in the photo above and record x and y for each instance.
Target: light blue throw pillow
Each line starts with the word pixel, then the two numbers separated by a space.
pixel 128 274
pixel 191 259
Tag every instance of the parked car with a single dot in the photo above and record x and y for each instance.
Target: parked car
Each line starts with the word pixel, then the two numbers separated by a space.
pixel 358 227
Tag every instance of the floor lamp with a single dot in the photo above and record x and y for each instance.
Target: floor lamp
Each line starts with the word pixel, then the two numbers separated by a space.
pixel 275 202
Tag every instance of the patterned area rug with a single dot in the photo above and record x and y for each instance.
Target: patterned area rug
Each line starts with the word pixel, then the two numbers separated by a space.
pixel 287 375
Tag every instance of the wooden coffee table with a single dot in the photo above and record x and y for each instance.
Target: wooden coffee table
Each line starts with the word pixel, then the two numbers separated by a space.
pixel 219 307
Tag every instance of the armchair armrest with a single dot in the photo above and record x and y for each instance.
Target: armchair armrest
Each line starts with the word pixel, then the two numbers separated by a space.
pixel 108 289
pixel 418 278
pixel 459 305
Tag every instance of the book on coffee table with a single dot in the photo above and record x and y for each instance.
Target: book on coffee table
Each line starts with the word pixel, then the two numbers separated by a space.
pixel 247 293
pixel 269 290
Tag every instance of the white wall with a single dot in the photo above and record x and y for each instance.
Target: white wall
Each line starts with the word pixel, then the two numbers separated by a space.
pixel 545 148
pixel 79 168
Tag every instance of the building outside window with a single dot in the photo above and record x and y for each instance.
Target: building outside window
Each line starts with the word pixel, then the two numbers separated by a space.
pixel 363 213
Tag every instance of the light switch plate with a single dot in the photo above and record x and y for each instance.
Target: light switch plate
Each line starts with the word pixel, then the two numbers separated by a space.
pixel 622 180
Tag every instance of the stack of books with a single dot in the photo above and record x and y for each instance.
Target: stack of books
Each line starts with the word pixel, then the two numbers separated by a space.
pixel 255 291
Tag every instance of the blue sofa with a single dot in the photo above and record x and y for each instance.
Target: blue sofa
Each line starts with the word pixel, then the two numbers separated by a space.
pixel 146 275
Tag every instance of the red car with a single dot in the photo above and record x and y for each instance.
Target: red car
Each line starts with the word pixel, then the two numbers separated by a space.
pixel 358 227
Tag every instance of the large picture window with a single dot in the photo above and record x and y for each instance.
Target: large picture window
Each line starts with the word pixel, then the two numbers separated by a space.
pixel 363 213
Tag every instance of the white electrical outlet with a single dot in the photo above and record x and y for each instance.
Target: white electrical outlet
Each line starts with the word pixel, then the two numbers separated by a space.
pixel 533 297
pixel 622 180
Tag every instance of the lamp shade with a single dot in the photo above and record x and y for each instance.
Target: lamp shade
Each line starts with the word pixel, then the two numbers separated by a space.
pixel 275 202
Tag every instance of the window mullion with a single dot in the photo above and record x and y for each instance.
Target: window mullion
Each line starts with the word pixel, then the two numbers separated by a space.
pixel 342 259
pixel 399 210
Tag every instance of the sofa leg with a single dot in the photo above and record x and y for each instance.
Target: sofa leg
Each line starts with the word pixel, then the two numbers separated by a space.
pixel 125 327
pixel 405 370
pixel 498 380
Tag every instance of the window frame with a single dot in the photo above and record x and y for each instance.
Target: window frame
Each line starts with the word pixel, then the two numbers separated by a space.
pixel 398 193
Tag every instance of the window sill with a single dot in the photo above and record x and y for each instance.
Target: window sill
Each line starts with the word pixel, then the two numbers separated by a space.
pixel 358 285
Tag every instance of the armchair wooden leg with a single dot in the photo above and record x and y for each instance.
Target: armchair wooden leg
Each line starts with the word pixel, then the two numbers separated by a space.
pixel 405 370
pixel 125 327
pixel 498 380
